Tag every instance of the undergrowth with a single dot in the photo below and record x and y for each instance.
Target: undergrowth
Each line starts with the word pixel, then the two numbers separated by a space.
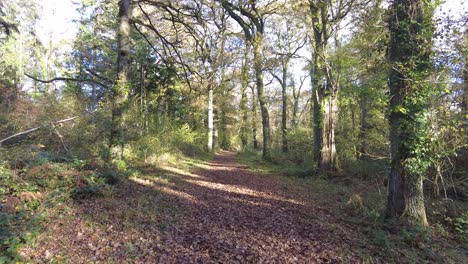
pixel 38 184
pixel 361 195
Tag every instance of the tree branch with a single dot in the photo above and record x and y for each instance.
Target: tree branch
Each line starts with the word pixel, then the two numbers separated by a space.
pixel 36 128
pixel 66 79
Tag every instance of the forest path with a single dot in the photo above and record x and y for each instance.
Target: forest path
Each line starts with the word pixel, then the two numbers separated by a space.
pixel 220 212
pixel 234 215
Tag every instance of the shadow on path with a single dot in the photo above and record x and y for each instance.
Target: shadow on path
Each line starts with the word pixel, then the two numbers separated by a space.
pixel 222 213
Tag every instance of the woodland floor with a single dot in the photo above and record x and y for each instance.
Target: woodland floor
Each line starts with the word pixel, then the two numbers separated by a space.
pixel 219 212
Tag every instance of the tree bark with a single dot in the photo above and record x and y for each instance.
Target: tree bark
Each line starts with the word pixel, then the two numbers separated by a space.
pixel 225 142
pixel 324 94
pixel 210 118
pixel 409 52
pixel 254 120
pixel 258 65
pixel 120 89
pixel 284 115
pixel 363 127
pixel 317 123
pixel 465 94
pixel 295 110
pixel 328 152
pixel 243 103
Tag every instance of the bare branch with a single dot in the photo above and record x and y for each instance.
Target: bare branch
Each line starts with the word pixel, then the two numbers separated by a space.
pixel 36 128
pixel 67 79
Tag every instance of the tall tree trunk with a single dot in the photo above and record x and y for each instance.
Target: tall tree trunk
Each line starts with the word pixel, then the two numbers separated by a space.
pixel 328 152
pixel 317 114
pixel 120 89
pixel 324 94
pixel 225 144
pixel 284 115
pixel 243 103
pixel 210 118
pixel 411 31
pixel 295 111
pixel 465 94
pixel 142 102
pixel 258 64
pixel 254 120
pixel 363 127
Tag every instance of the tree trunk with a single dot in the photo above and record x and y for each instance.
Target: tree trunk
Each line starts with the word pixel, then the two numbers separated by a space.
pixel 295 110
pixel 120 89
pixel 210 118
pixel 284 116
pixel 363 127
pixel 243 103
pixel 225 143
pixel 257 43
pixel 465 94
pixel 317 116
pixel 409 52
pixel 328 152
pixel 254 120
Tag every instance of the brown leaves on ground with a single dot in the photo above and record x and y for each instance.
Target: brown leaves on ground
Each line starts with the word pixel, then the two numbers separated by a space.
pixel 219 214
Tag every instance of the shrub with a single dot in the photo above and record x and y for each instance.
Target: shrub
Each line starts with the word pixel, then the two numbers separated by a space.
pixel 460 226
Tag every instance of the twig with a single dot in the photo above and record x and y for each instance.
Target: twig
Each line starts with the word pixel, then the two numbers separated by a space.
pixel 60 137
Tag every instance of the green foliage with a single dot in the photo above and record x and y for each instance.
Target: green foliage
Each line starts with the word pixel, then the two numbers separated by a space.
pixel 110 177
pixel 299 150
pixel 26 195
pixel 380 238
pixel 121 165
pixel 415 235
pixel 460 226
pixel 366 169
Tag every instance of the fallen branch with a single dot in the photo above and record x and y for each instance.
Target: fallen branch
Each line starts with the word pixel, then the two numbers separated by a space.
pixel 36 128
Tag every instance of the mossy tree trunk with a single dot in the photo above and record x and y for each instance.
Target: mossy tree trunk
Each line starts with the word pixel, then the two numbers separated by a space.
pixel 243 103
pixel 363 127
pixel 254 119
pixel 284 109
pixel 324 91
pixel 258 66
pixel 465 94
pixel 411 31
pixel 119 93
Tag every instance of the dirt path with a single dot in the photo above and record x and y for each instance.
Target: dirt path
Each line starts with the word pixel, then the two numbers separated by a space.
pixel 219 213
pixel 232 215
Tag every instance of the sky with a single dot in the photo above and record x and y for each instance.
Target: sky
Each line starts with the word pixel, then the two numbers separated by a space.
pixel 58 16
pixel 57 20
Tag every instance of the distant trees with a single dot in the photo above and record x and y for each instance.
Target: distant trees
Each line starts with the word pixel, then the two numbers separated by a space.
pixel 251 18
pixel 288 39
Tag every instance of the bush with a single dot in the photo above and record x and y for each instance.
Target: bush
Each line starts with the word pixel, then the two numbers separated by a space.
pixel 460 226
pixel 365 169
pixel 299 140
pixel 171 140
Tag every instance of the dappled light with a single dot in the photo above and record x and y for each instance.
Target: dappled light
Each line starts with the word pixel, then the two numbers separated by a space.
pixel 229 131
